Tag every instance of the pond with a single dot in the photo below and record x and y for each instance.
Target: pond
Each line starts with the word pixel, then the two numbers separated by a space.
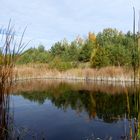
pixel 66 110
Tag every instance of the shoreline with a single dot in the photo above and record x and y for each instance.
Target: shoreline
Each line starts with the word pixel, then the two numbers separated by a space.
pixel 83 79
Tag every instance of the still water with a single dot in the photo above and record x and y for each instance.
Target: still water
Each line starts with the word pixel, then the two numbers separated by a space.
pixel 58 110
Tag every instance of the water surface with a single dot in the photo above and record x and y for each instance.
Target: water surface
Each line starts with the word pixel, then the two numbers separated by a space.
pixel 58 110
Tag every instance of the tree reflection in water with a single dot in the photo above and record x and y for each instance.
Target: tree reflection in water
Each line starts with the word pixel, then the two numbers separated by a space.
pixel 107 102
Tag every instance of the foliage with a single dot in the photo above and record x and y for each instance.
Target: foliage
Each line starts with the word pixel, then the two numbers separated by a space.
pixel 85 52
pixel 108 48
pixel 61 65
pixel 114 48
pixel 34 55
pixel 100 57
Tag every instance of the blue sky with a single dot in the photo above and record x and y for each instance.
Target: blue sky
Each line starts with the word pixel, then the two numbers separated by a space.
pixel 49 21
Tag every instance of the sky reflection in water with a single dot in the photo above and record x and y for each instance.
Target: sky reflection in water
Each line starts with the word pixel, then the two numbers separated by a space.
pixel 74 111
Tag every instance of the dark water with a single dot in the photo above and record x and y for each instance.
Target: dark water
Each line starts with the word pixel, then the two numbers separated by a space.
pixel 74 111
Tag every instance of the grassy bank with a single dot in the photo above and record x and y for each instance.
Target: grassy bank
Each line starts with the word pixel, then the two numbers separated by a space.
pixel 104 74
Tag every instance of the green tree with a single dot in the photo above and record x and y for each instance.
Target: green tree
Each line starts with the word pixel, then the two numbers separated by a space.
pixel 41 48
pixel 99 58
pixel 85 52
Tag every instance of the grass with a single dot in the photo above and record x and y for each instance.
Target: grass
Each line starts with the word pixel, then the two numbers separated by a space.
pixel 9 49
pixel 103 74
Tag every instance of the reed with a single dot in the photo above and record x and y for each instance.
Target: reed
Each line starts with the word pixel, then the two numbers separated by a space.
pixel 9 52
pixel 32 71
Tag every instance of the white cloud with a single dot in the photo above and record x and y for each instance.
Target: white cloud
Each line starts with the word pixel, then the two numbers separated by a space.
pixel 52 20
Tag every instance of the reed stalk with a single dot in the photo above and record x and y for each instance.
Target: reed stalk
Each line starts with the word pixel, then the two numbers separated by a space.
pixel 9 52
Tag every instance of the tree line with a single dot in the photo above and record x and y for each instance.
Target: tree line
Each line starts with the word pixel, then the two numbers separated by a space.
pixel 107 48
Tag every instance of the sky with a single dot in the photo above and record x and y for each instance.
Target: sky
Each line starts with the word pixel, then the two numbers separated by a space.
pixel 49 21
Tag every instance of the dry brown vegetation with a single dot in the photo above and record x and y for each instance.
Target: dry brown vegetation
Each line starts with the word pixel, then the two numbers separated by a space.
pixel 104 74
pixel 9 49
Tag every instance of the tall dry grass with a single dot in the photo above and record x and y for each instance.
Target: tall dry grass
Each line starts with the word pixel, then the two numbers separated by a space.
pixel 9 50
pixel 103 74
